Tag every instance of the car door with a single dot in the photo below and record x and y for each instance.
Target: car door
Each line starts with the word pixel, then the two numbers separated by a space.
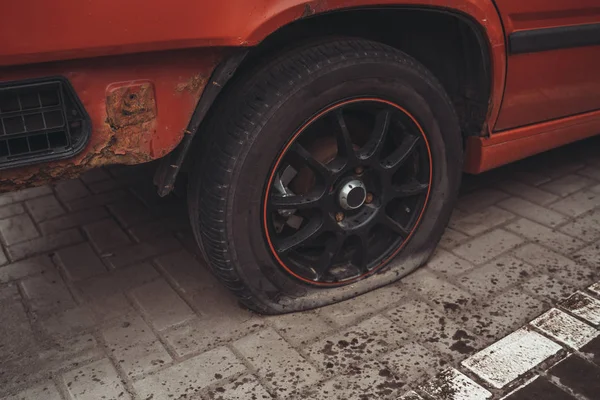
pixel 553 60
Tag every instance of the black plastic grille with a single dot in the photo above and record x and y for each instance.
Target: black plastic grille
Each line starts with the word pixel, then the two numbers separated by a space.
pixel 40 121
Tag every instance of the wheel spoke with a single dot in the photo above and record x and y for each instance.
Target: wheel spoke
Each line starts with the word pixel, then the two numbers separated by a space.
pixel 313 228
pixel 300 156
pixel 332 248
pixel 344 142
pixel 394 226
pixel 409 190
pixel 378 135
pixel 295 202
pixel 400 155
pixel 360 257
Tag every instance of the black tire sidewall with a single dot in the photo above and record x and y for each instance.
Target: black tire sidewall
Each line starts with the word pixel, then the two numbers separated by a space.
pixel 400 83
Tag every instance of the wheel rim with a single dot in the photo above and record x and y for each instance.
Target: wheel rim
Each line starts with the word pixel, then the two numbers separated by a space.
pixel 347 192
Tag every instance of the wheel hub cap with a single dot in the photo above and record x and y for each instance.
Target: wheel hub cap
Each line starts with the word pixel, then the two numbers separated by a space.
pixel 352 195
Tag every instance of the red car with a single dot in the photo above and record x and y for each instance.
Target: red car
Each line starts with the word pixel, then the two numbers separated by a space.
pixel 324 140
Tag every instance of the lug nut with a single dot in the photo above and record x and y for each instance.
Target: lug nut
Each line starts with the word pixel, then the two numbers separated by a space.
pixel 339 217
pixel 369 198
pixel 359 170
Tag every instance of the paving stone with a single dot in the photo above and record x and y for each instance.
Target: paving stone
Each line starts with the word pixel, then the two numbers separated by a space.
pixel 3 260
pixel 580 376
pixel 501 314
pixel 80 262
pixel 25 194
pixel 366 340
pixel 43 391
pixel 98 380
pixel 25 268
pixel 487 246
pixel 583 306
pixel 112 307
pixel 534 212
pixel 528 192
pixel 352 310
pixel 202 334
pixel 451 239
pixel 540 388
pixel 124 256
pixel 510 357
pixel 545 236
pixel 481 221
pixel 532 178
pixel 589 255
pixel 564 328
pixel 11 210
pixel 592 351
pixel 71 190
pixel 70 321
pixel 446 296
pixel 412 395
pixel 556 265
pixel 448 264
pixel 277 362
pixel 97 200
pixel 195 373
pixel 496 275
pixel 300 328
pixel 130 213
pixel 595 288
pixel 16 334
pixel 586 227
pixel 135 347
pixel 547 287
pixel 43 208
pixel 451 384
pixel 566 185
pixel 106 185
pixel 72 220
pixel 369 381
pixel 592 172
pixel 116 281
pixel 47 292
pixel 17 229
pixel 480 199
pixel 411 362
pixel 43 244
pixel 432 328
pixel 162 304
pixel 577 203
pixel 106 235
pixel 243 388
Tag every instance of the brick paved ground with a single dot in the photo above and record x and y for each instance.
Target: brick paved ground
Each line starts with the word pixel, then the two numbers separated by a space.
pixel 102 297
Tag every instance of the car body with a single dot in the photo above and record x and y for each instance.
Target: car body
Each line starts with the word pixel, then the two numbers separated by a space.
pixel 523 76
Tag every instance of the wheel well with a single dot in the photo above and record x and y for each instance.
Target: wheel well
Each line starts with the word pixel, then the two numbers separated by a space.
pixel 451 46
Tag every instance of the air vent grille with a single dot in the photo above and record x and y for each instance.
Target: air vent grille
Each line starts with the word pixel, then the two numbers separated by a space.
pixel 40 121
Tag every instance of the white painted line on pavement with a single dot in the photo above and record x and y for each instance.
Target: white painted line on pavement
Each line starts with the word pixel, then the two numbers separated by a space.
pixel 595 288
pixel 454 385
pixel 510 357
pixel 564 328
pixel 584 306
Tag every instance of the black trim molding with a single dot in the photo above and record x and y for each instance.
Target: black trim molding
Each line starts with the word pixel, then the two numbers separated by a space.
pixel 563 37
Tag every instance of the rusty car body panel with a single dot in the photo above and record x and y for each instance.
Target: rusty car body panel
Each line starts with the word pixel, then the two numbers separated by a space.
pixel 140 69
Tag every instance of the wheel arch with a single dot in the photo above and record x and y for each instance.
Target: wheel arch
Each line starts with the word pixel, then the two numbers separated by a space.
pixel 466 61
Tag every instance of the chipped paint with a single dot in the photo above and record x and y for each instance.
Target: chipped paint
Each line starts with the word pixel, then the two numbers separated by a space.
pixel 192 85
pixel 452 384
pixel 583 306
pixel 564 328
pixel 511 357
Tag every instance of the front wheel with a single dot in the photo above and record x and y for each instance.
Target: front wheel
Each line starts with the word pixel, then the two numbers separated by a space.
pixel 331 170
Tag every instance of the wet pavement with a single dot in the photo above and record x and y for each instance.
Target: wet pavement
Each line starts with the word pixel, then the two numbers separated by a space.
pixel 103 296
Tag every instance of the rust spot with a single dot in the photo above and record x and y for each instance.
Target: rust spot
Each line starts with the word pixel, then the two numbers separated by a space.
pixel 131 104
pixel 192 85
